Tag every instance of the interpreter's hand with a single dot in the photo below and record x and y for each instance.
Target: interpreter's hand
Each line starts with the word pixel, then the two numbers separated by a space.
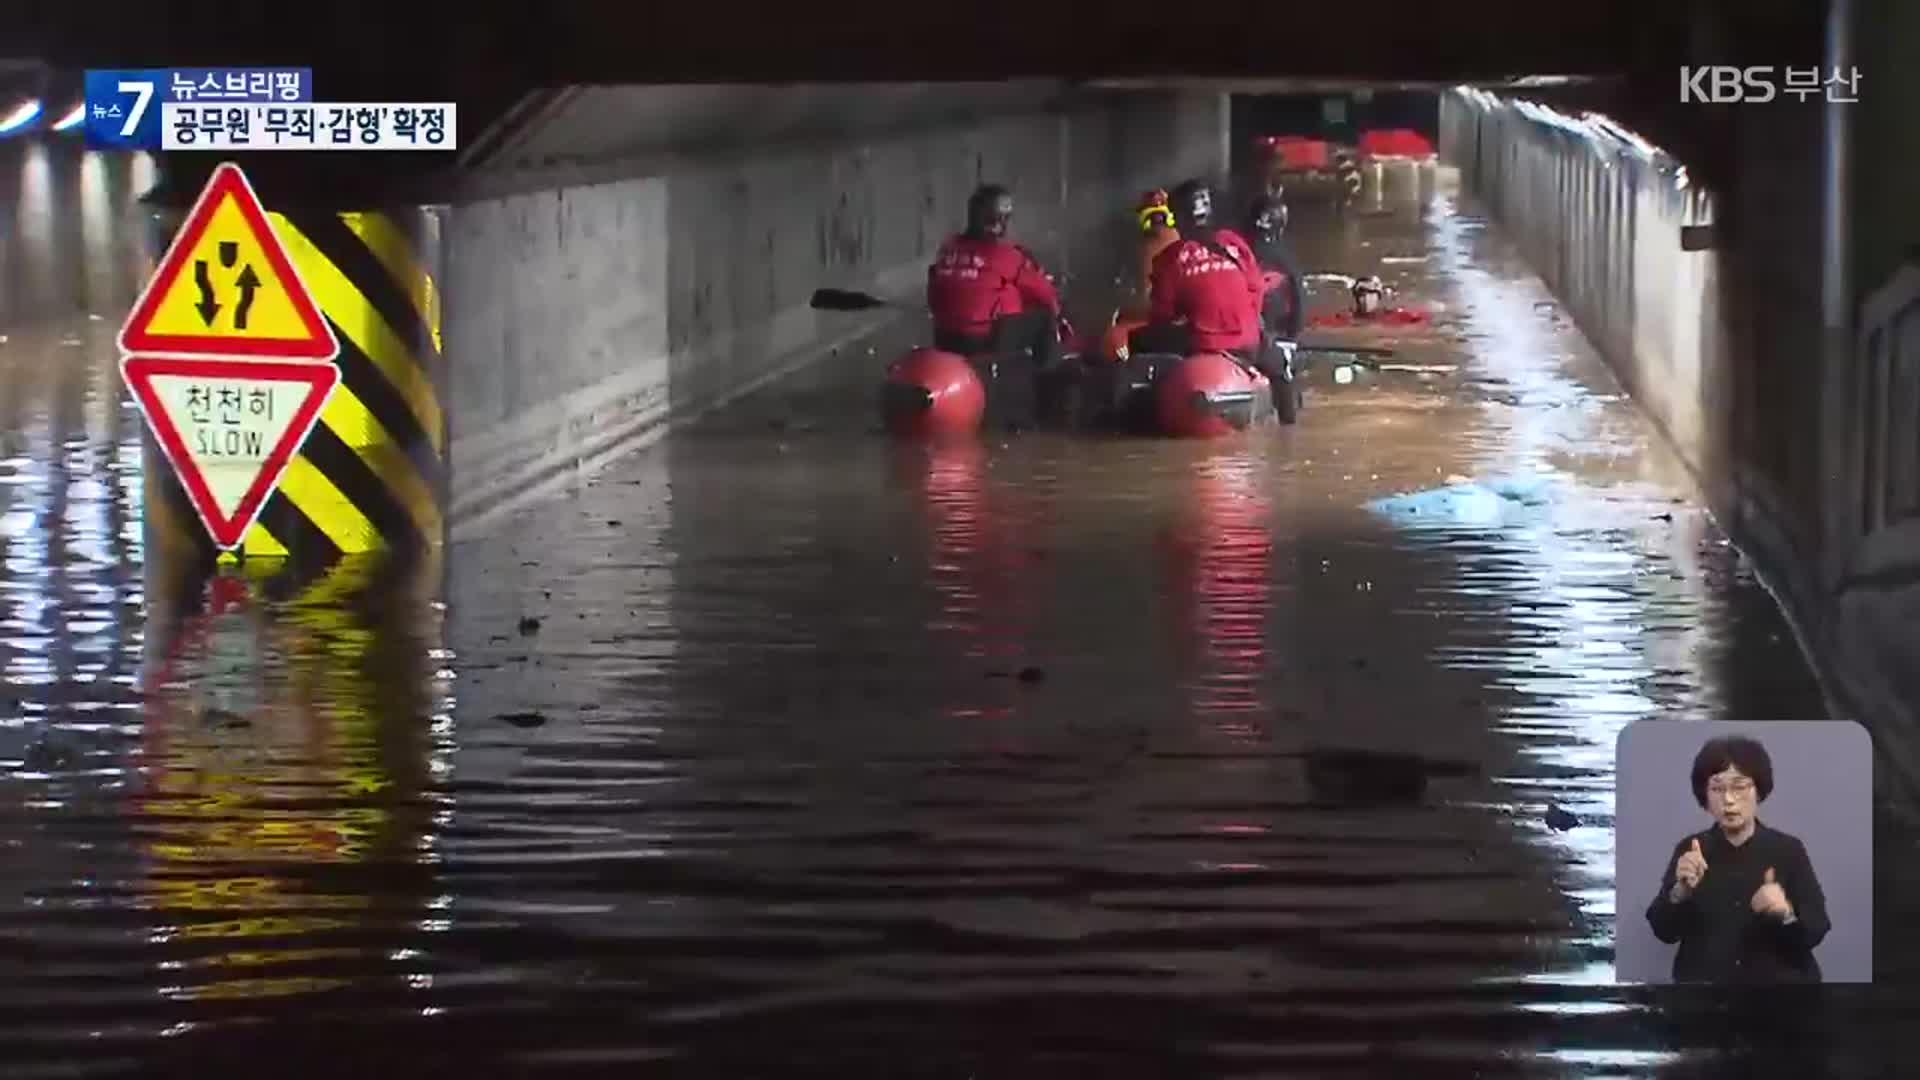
pixel 1688 869
pixel 1771 899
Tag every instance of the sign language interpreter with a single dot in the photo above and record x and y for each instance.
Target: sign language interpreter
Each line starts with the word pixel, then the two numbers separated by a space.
pixel 1740 899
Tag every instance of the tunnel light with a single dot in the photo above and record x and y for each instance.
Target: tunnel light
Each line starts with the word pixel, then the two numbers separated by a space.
pixel 22 115
pixel 73 118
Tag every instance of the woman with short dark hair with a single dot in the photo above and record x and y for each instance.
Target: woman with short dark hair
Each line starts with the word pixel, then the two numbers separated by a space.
pixel 1741 899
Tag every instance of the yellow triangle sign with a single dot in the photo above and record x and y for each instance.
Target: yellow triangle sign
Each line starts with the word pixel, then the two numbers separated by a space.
pixel 227 288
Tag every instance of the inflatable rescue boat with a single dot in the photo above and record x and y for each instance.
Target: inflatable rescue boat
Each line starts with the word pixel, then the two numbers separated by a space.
pixel 1203 395
pixel 930 393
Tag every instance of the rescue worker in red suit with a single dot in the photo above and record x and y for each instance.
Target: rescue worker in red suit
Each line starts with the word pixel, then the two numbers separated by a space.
pixel 989 295
pixel 1206 288
pixel 1369 300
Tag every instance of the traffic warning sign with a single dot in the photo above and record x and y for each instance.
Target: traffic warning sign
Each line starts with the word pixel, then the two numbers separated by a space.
pixel 229 427
pixel 226 286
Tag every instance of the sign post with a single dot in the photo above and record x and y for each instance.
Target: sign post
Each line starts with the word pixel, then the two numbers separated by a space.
pixel 228 357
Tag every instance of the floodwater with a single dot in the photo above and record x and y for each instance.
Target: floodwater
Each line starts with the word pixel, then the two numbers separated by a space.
pixel 777 747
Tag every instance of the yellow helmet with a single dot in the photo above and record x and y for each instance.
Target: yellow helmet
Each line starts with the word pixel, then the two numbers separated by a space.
pixel 1155 213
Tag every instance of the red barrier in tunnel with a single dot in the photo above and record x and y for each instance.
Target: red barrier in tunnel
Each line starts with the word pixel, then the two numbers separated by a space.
pixel 1395 142
pixel 1295 153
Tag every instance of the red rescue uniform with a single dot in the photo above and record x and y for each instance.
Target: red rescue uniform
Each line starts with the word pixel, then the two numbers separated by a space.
pixel 973 282
pixel 1219 297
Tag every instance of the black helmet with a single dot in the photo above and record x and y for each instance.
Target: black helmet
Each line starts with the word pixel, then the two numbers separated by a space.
pixel 1269 216
pixel 989 211
pixel 1193 204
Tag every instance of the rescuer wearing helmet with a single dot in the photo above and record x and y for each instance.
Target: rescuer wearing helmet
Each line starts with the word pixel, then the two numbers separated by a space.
pixel 1205 287
pixel 988 294
pixel 1284 306
pixel 1157 233
pixel 1369 294
pixel 1155 218
pixel 1370 308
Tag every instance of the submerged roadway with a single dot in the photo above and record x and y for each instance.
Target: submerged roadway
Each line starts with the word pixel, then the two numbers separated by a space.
pixel 780 743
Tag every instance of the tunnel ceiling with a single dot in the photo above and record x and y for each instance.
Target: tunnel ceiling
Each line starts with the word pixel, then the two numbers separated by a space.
pixel 1310 86
pixel 592 124
pixel 494 63
pixel 446 46
pixel 393 51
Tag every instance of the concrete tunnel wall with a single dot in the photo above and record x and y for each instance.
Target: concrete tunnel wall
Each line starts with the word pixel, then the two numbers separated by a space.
pixel 587 316
pixel 1811 463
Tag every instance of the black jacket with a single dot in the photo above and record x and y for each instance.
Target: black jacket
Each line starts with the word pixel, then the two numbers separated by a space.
pixel 1721 938
pixel 1284 311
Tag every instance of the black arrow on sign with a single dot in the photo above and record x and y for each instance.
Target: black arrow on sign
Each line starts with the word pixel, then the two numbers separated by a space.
pixel 249 281
pixel 207 307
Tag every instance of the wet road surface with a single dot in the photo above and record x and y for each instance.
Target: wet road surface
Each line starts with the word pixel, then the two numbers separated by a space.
pixel 777 745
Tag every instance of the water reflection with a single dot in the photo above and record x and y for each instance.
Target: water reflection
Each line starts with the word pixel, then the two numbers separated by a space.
pixel 285 809
pixel 985 558
pixel 1604 567
pixel 70 463
pixel 1220 553
pixel 221 760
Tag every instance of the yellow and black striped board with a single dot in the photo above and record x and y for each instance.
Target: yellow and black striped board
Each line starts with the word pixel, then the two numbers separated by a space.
pixel 180 559
pixel 372 477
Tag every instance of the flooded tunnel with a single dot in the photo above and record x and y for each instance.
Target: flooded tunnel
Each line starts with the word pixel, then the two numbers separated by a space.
pixel 605 690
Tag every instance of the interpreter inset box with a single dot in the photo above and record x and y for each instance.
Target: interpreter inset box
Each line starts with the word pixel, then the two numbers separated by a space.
pixel 1743 852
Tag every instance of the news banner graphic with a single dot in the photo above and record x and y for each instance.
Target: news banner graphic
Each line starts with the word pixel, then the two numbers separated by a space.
pixel 228 357
pixel 249 109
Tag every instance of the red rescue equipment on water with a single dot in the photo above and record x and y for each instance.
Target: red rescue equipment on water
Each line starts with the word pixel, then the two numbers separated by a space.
pixel 930 393
pixel 1208 395
pixel 1386 317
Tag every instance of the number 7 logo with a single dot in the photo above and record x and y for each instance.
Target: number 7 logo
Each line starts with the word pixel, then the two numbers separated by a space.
pixel 124 107
pixel 142 96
